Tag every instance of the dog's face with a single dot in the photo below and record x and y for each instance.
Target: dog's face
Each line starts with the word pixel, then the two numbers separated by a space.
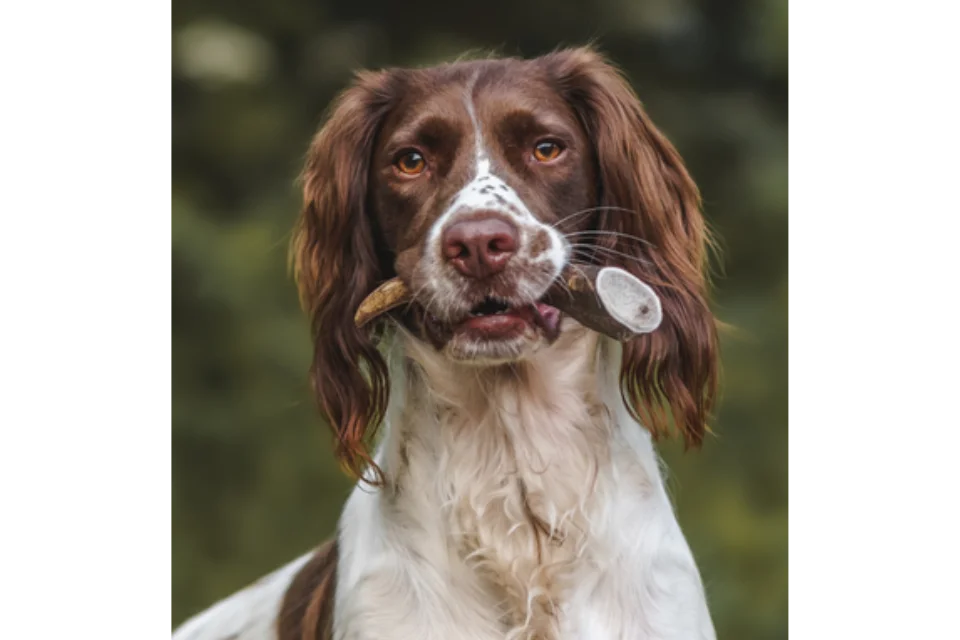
pixel 476 183
pixel 476 176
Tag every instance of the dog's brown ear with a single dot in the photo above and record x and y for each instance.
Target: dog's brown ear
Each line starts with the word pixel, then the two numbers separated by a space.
pixel 651 206
pixel 336 265
pixel 306 611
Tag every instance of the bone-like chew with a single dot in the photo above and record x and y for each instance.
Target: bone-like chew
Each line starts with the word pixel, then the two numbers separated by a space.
pixel 606 299
pixel 390 295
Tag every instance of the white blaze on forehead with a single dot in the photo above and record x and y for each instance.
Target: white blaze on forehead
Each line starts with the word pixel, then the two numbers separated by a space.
pixel 488 192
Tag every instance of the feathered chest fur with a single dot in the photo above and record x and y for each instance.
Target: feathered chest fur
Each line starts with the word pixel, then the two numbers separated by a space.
pixel 500 470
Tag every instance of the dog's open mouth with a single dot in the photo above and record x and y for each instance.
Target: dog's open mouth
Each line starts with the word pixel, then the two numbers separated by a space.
pixel 607 300
pixel 494 319
pixel 490 307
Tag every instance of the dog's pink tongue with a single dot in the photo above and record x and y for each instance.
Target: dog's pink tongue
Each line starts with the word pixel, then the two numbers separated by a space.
pixel 547 318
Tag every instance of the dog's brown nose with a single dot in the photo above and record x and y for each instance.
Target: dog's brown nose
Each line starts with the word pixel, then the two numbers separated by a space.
pixel 480 247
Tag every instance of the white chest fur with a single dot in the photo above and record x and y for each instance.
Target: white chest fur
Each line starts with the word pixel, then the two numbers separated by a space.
pixel 521 503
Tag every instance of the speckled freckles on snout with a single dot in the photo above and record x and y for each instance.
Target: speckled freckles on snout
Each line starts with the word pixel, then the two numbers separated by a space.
pixel 543 251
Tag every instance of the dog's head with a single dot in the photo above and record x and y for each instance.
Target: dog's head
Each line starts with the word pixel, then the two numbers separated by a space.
pixel 476 183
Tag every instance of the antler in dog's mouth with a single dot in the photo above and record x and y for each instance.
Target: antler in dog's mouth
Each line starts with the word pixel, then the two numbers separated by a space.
pixel 606 299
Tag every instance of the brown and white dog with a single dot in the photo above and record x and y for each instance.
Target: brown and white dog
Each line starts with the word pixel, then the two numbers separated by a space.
pixel 514 491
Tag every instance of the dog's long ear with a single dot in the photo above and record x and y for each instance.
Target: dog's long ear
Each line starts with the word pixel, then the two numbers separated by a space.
pixel 652 206
pixel 336 265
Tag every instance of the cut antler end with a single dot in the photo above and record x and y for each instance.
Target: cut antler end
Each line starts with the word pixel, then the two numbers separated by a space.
pixel 608 300
pixel 629 300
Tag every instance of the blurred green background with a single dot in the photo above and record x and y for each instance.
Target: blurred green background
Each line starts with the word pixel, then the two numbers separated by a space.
pixel 254 481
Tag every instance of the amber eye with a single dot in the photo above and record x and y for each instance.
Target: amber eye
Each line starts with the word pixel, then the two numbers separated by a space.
pixel 410 163
pixel 546 151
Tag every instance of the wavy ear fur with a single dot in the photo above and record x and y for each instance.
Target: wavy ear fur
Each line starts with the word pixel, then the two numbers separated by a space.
pixel 336 265
pixel 651 203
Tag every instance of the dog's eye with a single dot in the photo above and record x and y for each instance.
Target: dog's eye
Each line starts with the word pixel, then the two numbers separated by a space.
pixel 547 150
pixel 411 163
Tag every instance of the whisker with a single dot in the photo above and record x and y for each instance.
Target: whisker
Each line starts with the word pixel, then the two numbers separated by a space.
pixel 583 212
pixel 414 298
pixel 609 252
pixel 602 232
pixel 563 283
pixel 587 256
pixel 432 304
pixel 282 240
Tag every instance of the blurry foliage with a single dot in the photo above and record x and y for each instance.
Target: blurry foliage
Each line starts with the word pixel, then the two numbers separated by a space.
pixel 255 483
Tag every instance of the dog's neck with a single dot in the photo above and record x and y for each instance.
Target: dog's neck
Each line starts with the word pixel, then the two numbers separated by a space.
pixel 471 427
pixel 567 378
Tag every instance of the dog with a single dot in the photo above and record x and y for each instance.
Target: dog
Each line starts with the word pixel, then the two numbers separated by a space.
pixel 514 490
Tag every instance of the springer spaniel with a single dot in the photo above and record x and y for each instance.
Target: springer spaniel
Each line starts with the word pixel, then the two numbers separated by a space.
pixel 514 491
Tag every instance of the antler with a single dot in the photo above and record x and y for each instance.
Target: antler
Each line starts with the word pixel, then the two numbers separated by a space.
pixel 606 299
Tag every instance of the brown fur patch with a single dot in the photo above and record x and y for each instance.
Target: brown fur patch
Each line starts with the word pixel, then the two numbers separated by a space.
pixel 539 244
pixel 306 612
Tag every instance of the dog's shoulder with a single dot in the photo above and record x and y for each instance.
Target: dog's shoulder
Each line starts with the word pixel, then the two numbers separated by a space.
pixel 274 607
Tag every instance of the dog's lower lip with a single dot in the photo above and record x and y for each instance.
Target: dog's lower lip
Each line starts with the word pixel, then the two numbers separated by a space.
pixel 512 321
